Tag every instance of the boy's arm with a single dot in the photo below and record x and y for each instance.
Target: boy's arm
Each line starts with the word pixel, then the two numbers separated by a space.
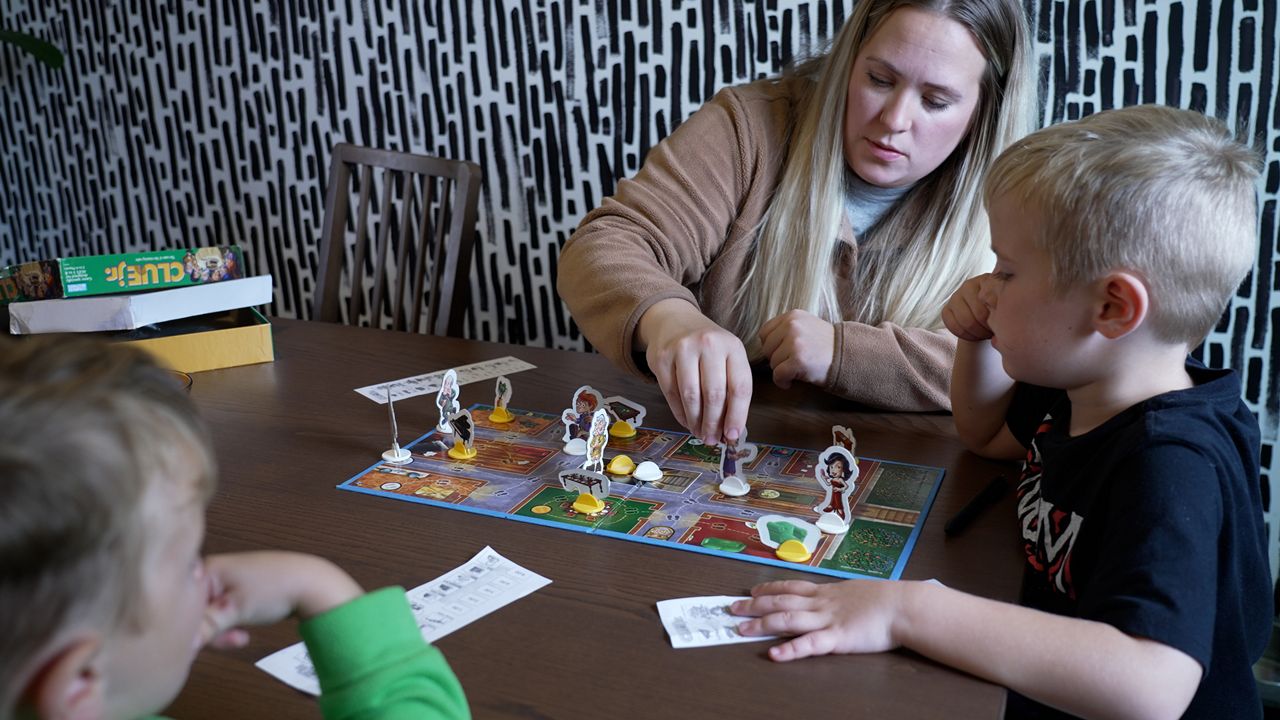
pixel 980 397
pixel 980 389
pixel 370 657
pixel 372 661
pixel 1083 667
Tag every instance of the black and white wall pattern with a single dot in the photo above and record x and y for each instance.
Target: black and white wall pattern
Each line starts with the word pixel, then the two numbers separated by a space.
pixel 183 123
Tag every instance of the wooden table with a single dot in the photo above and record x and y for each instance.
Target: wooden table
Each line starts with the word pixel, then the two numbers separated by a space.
pixel 590 644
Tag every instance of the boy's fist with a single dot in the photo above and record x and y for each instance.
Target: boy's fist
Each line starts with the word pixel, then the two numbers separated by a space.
pixel 965 314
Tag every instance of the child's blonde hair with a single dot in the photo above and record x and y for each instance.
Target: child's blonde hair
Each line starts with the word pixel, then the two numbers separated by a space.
pixel 87 430
pixel 934 237
pixel 1167 194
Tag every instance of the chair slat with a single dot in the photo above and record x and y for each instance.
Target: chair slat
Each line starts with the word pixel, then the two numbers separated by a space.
pixel 357 261
pixel 402 251
pixel 384 233
pixel 426 241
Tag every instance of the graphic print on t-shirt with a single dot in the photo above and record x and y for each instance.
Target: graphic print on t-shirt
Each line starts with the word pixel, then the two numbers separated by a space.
pixel 1048 534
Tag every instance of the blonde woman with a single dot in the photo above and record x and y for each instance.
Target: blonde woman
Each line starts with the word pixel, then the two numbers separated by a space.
pixel 818 221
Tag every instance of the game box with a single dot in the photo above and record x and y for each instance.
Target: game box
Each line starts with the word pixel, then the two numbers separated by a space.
pixel 125 272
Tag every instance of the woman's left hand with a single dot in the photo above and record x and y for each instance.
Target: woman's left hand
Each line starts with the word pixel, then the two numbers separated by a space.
pixel 800 346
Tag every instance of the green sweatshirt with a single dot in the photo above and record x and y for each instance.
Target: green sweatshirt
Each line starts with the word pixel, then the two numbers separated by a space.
pixel 372 662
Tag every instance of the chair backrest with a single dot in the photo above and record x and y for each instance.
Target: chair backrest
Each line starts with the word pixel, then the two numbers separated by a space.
pixel 424 229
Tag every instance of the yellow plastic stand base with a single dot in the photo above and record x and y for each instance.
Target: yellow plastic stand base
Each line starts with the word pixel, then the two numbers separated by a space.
pixel 622 429
pixel 621 465
pixel 501 415
pixel 460 452
pixel 793 551
pixel 588 504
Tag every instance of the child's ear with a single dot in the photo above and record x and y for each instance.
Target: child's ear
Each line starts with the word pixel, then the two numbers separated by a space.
pixel 1122 304
pixel 70 685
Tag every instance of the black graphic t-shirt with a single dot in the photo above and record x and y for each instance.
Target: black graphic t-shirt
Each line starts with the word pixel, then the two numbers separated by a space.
pixel 1152 523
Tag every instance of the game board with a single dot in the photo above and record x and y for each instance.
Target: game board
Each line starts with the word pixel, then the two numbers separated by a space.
pixel 514 475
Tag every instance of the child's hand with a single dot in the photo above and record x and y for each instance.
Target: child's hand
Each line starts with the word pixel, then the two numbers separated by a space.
pixel 854 616
pixel 260 588
pixel 965 315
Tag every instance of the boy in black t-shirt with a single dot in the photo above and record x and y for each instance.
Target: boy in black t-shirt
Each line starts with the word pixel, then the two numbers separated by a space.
pixel 1119 239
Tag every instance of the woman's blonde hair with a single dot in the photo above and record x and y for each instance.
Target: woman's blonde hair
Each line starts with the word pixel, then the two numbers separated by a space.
pixel 935 236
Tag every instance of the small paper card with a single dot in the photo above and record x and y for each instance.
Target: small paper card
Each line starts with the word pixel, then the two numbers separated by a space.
pixel 430 383
pixel 703 621
pixel 465 594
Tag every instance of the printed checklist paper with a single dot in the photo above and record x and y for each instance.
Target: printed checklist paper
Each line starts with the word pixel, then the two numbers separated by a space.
pixel 453 600
pixel 703 621
pixel 405 388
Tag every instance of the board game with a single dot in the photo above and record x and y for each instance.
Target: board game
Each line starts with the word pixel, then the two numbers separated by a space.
pixel 514 474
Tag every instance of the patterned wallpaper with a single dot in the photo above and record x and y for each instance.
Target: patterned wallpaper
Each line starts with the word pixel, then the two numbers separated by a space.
pixel 186 124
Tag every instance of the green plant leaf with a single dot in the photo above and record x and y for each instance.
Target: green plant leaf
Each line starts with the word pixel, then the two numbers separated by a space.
pixel 44 51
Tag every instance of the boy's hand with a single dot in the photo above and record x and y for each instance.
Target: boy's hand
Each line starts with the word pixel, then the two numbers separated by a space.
pixel 854 616
pixel 260 588
pixel 965 315
pixel 800 346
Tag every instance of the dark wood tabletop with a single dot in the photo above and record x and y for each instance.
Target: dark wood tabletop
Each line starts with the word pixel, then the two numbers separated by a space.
pixel 589 644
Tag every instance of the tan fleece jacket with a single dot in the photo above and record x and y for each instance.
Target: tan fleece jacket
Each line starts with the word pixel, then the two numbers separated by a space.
pixel 684 227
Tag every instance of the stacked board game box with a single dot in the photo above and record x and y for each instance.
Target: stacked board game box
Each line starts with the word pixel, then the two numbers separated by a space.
pixel 124 272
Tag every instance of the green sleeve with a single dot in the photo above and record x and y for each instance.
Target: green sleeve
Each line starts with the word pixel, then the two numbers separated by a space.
pixel 372 662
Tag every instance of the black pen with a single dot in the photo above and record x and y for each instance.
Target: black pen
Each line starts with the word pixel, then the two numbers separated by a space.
pixel 990 495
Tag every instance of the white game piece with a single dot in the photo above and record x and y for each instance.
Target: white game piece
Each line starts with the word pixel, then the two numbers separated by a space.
pixel 807 533
pixel 837 472
pixel 597 438
pixel 501 396
pixel 577 419
pixel 396 455
pixel 831 524
pixel 647 471
pixel 734 486
pixel 447 400
pixel 464 435
pixel 733 455
pixel 627 415
pixel 576 446
pixel 843 436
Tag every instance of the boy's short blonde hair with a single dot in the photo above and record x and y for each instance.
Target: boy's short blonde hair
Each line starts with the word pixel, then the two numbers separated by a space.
pixel 1167 194
pixel 87 430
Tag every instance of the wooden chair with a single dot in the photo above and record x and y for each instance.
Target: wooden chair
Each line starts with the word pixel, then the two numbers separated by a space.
pixel 425 222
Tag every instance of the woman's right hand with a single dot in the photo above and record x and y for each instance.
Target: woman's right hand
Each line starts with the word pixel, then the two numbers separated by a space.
pixel 701 367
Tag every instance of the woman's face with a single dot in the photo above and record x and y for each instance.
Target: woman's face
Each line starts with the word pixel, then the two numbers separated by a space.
pixel 913 90
pixel 838 470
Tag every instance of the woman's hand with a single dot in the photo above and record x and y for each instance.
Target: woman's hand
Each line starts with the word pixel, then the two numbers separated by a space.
pixel 800 346
pixel 701 367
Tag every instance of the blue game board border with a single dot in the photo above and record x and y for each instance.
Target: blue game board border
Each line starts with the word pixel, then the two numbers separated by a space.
pixel 900 565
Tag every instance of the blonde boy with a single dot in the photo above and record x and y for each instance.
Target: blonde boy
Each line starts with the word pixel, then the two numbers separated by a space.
pixel 1119 239
pixel 104 598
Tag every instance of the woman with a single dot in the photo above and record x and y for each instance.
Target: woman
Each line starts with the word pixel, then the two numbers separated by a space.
pixel 818 221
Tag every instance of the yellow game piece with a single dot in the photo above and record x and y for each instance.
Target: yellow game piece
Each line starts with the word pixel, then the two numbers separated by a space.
pixel 622 429
pixel 541 509
pixel 460 452
pixel 793 551
pixel 501 415
pixel 621 465
pixel 588 504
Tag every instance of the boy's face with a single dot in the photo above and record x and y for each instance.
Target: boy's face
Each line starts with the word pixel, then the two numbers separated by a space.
pixel 146 663
pixel 1039 333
